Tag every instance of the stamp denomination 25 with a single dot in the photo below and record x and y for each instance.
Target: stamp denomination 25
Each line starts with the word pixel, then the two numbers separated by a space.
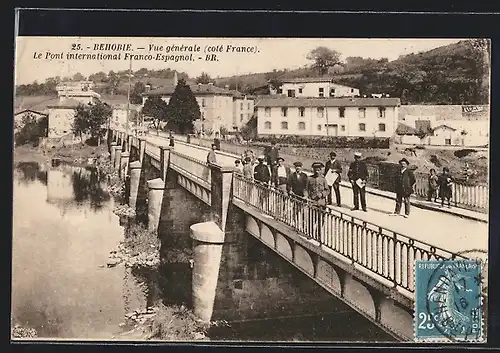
pixel 448 301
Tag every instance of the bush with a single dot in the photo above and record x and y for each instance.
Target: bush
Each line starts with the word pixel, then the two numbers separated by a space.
pixel 326 141
pixel 435 160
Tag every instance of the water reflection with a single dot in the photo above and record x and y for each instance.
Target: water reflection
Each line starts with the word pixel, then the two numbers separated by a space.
pixel 60 284
pixel 28 172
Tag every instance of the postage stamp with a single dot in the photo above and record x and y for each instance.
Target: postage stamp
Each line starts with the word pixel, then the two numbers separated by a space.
pixel 448 301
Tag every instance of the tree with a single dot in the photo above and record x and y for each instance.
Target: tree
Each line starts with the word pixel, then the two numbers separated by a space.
pixel 135 95
pixel 92 119
pixel 155 108
pixel 32 130
pixel 98 77
pixel 78 77
pixel 183 109
pixel 204 78
pixel 323 58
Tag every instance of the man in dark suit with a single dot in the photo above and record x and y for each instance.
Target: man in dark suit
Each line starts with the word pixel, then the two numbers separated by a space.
pixel 297 189
pixel 334 166
pixel 297 181
pixel 262 176
pixel 273 155
pixel 358 175
pixel 404 188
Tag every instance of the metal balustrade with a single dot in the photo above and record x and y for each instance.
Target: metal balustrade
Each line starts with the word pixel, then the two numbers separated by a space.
pixel 384 252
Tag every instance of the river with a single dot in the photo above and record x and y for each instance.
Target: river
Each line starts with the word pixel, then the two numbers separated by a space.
pixel 63 231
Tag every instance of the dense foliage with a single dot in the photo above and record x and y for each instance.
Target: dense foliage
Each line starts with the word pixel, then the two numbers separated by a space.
pixel 92 119
pixel 333 141
pixel 32 129
pixel 156 109
pixel 183 109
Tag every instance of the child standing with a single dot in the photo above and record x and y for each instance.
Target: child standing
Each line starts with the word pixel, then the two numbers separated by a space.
pixel 433 185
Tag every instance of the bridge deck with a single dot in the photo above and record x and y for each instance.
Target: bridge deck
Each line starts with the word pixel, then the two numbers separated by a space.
pixel 441 229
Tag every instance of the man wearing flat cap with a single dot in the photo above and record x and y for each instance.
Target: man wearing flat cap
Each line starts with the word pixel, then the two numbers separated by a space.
pixel 297 188
pixel 358 175
pixel 318 191
pixel 405 180
pixel 262 176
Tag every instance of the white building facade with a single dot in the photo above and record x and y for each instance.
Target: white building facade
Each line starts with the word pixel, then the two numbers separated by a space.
pixel 321 87
pixel 219 107
pixel 351 117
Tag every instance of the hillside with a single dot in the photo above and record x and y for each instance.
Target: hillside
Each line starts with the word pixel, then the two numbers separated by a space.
pixel 452 74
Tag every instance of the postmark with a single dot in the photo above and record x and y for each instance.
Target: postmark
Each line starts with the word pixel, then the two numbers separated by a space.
pixel 449 299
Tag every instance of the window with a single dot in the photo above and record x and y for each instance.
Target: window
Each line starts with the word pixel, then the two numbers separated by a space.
pixel 342 127
pixel 203 102
pixel 332 92
pixel 248 106
pixel 342 112
pixel 284 125
pixel 321 111
pixel 319 127
pixel 381 127
pixel 381 112
pixel 241 106
pixel 321 92
pixel 352 90
pixel 362 112
pixel 291 93
pixel 267 125
pixel 267 111
pixel 446 141
pixel 280 90
pixel 302 125
pixel 202 116
pixel 300 90
pixel 284 111
pixel 362 127
pixel 241 117
pixel 302 111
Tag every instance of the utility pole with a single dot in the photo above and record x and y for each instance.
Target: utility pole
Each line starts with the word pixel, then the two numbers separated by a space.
pixel 128 97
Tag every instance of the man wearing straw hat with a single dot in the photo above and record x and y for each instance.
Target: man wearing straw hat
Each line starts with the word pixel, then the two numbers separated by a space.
pixel 358 174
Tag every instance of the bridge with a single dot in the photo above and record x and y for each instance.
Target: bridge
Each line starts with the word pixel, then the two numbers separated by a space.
pixel 364 259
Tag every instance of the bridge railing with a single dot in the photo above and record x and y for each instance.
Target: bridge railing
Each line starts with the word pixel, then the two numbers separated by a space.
pixel 382 251
pixel 190 165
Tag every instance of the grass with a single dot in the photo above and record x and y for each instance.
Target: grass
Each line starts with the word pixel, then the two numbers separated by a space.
pixel 140 240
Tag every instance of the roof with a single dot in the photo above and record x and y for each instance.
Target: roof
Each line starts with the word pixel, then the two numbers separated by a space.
pixel 68 103
pixel 329 102
pixel 197 89
pixel 312 79
pixel 444 126
pixel 29 110
pixel 124 106
pixel 404 129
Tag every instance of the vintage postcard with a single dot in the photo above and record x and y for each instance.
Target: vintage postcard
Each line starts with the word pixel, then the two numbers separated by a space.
pixel 251 189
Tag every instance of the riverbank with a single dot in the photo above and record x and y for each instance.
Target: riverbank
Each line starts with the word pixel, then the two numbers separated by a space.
pixel 76 155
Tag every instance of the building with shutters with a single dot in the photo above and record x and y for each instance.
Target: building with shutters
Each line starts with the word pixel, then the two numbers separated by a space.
pixel 349 117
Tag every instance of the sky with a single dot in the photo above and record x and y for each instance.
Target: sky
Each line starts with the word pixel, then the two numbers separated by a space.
pixel 37 57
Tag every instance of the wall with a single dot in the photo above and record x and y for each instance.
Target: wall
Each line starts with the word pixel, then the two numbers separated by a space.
pixel 60 121
pixel 442 112
pixel 241 116
pixel 311 89
pixel 347 126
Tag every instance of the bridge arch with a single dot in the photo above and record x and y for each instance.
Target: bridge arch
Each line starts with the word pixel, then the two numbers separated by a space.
pixel 327 275
pixel 252 226
pixel 303 260
pixel 266 235
pixel 359 296
pixel 283 246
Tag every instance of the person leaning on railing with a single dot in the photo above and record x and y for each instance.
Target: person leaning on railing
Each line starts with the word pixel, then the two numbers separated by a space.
pixel 211 157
